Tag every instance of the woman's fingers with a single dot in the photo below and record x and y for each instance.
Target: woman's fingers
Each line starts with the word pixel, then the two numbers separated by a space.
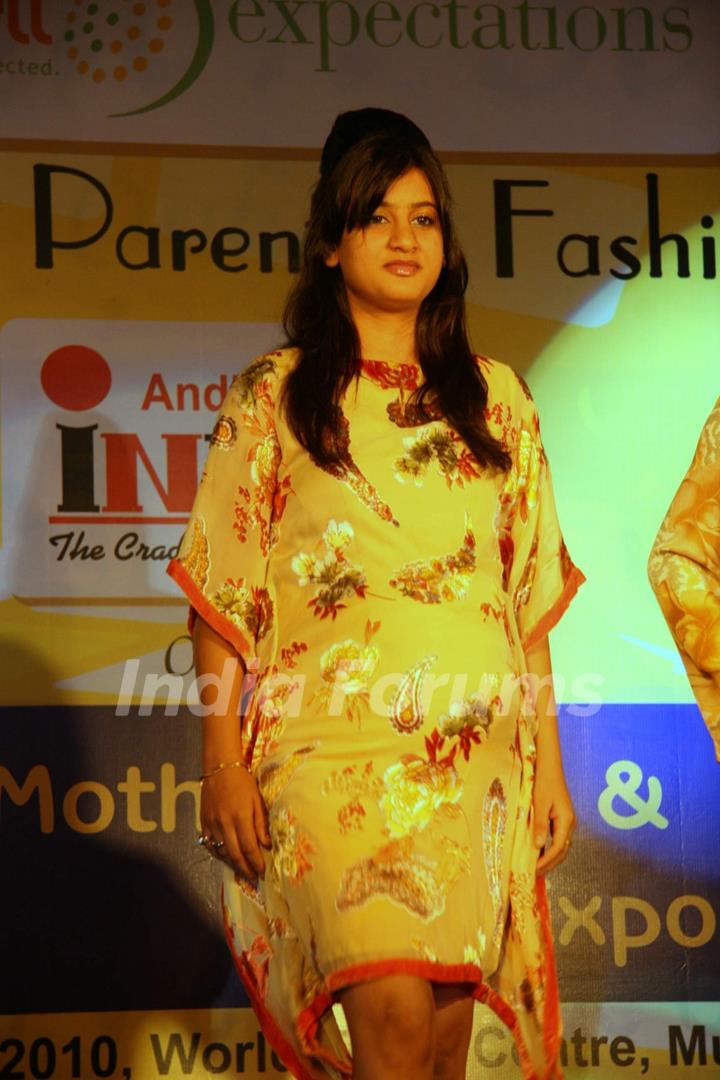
pixel 555 823
pixel 554 855
pixel 561 841
pixel 240 846
pixel 250 845
pixel 233 811
pixel 233 854
pixel 262 827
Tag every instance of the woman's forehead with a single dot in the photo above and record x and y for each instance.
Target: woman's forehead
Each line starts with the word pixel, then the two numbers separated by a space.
pixel 411 188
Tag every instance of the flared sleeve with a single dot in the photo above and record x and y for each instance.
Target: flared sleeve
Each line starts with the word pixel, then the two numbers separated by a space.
pixel 684 572
pixel 222 563
pixel 543 578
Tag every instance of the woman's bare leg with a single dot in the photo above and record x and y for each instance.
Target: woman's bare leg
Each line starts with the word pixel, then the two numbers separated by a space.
pixel 392 1028
pixel 453 1026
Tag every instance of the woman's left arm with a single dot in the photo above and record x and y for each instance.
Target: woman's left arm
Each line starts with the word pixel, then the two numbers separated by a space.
pixel 554 813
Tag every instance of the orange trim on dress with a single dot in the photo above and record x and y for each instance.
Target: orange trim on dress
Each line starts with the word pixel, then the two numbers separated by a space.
pixel 553 1016
pixel 269 1028
pixel 307 1021
pixel 552 1020
pixel 552 615
pixel 200 604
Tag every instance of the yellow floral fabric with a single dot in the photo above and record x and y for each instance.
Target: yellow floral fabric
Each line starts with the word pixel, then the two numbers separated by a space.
pixel 684 570
pixel 382 607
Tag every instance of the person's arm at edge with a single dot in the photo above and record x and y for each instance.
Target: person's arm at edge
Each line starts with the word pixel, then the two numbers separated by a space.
pixel 231 807
pixel 554 813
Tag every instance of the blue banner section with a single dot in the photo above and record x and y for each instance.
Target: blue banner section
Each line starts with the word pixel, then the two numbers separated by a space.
pixel 108 903
pixel 98 828
pixel 635 906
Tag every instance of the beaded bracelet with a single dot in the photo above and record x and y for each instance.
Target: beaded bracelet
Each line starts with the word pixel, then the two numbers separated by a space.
pixel 224 765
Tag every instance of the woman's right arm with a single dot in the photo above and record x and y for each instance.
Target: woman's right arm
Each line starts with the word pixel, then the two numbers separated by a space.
pixel 231 807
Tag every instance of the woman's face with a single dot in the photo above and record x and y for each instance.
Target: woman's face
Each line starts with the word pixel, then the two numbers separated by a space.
pixel 392 263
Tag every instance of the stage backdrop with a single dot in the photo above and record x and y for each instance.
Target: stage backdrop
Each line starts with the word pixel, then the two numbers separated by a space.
pixel 155 165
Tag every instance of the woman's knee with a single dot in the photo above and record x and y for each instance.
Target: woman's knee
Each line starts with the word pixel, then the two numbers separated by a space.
pixel 454 1021
pixel 396 1014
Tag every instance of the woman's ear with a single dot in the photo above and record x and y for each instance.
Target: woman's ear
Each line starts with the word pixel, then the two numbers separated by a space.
pixel 332 258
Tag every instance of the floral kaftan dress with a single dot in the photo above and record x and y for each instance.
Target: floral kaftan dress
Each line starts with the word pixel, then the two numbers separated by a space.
pixel 684 569
pixel 381 607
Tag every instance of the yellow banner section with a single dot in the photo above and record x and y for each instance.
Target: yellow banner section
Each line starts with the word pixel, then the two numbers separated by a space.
pixel 167 274
pixel 601 1041
pixel 85 234
pixel 137 1045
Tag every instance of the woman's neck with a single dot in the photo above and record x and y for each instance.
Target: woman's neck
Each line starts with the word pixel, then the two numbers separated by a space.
pixel 388 337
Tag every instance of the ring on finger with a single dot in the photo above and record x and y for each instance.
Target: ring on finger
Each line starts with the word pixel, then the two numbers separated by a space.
pixel 217 844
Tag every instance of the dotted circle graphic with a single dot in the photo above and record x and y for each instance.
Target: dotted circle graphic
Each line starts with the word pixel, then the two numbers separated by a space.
pixel 76 377
pixel 114 43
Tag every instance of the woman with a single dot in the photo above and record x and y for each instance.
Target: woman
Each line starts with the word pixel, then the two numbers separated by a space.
pixel 684 571
pixel 375 539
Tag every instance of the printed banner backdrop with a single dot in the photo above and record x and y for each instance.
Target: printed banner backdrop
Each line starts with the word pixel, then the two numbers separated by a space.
pixel 151 224
pixel 554 77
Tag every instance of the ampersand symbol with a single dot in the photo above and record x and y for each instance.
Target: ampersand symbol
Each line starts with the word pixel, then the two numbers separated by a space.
pixel 623 780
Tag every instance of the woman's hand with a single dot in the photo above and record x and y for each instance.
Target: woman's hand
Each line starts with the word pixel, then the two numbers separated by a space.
pixel 232 812
pixel 233 816
pixel 554 817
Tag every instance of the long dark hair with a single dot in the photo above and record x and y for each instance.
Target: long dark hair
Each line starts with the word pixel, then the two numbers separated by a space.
pixel 318 322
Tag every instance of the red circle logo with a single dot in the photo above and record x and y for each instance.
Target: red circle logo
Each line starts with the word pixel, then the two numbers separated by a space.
pixel 75 377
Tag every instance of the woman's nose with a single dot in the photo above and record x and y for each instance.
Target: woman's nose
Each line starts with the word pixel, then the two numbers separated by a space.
pixel 402 236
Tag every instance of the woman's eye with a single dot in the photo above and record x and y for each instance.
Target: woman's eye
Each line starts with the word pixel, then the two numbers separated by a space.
pixel 426 220
pixel 377 219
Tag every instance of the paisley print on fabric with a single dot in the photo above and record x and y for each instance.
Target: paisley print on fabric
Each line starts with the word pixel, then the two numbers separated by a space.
pixel 494 822
pixel 224 433
pixel 407 711
pixel 196 554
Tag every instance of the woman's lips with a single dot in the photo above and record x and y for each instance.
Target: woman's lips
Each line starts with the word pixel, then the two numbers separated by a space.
pixel 402 269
